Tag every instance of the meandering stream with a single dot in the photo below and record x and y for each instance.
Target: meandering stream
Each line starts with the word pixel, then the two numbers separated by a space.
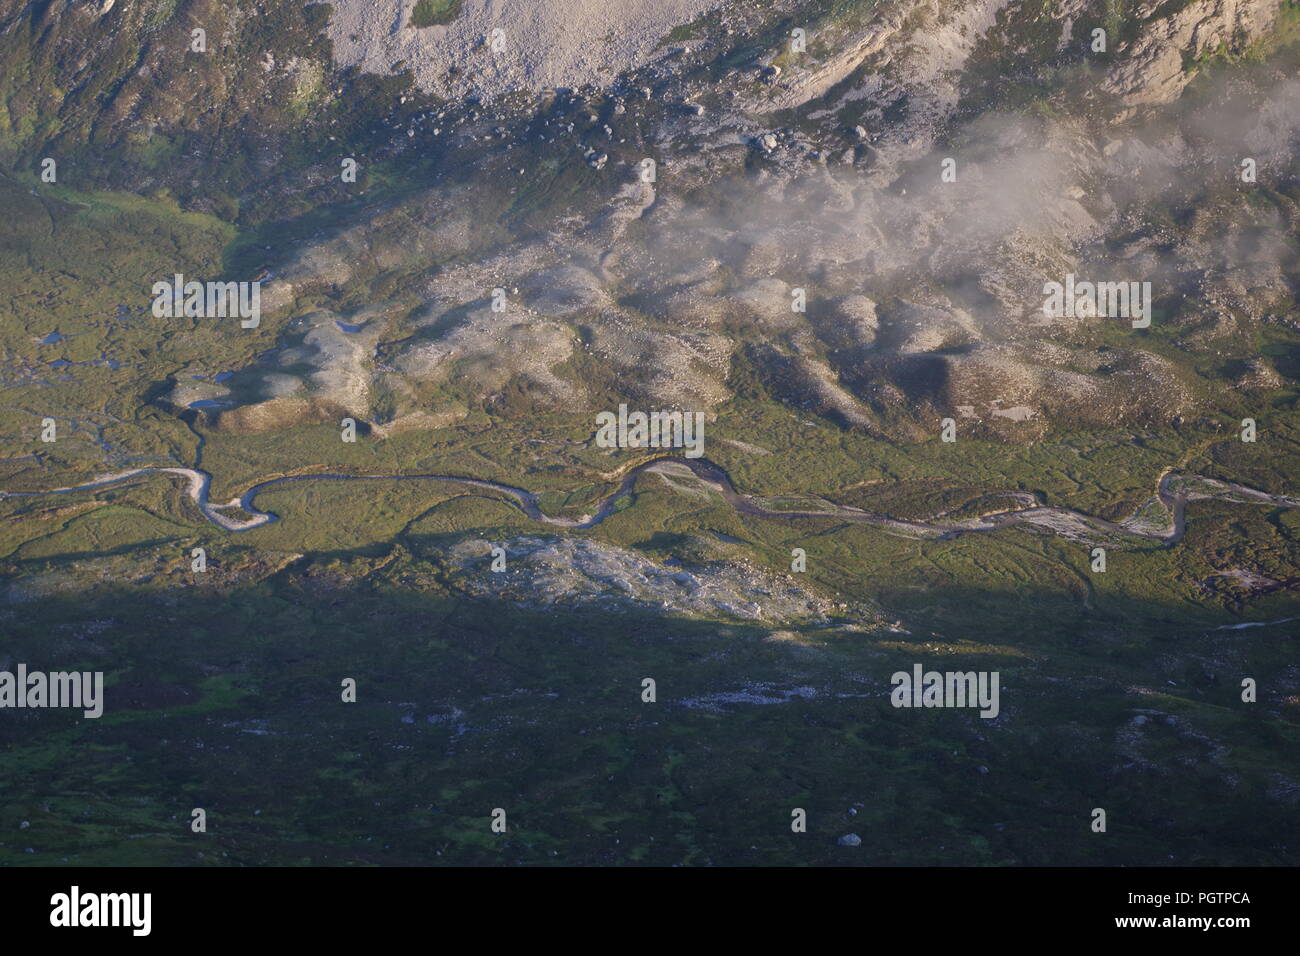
pixel 1173 492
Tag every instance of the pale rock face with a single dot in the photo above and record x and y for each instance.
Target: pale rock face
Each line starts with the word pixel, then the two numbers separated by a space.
pixel 850 322
pixel 1152 70
pixel 582 571
pixel 767 303
pixel 279 385
pixel 565 290
pixel 657 290
pixel 548 43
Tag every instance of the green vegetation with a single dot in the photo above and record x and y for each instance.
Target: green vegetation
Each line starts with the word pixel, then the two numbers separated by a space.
pixel 1281 45
pixel 224 685
pixel 428 13
pixel 249 658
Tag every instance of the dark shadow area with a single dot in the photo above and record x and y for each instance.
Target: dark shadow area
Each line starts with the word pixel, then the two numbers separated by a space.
pixel 229 699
